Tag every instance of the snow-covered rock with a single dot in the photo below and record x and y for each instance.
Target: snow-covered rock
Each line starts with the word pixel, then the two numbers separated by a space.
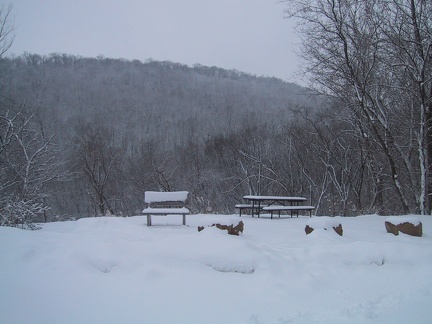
pixel 325 223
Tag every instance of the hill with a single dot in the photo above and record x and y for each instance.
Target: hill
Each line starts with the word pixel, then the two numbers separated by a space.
pixel 166 101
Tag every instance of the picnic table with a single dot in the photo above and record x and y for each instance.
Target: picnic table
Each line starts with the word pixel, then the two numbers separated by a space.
pixel 274 204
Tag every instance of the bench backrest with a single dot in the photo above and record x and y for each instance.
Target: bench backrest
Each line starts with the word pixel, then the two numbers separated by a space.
pixel 166 198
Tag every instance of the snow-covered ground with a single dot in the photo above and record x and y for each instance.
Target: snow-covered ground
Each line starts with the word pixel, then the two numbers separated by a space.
pixel 118 270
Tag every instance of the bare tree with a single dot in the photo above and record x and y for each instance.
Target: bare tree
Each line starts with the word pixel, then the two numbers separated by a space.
pixel 28 164
pixel 407 36
pixel 8 128
pixel 99 162
pixel 373 56
pixel 6 28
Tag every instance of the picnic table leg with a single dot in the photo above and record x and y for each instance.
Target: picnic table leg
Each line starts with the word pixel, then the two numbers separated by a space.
pixel 259 208
pixel 149 220
pixel 184 219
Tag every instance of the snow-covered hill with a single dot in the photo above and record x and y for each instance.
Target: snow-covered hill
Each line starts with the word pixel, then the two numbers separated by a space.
pixel 117 270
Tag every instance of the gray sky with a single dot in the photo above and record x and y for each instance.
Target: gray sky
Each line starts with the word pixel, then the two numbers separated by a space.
pixel 248 35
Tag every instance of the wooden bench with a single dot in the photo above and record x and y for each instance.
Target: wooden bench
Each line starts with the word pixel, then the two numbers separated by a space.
pixel 293 209
pixel 165 203
pixel 240 207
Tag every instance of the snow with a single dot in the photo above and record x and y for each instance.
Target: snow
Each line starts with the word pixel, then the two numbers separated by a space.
pixel 118 270
pixel 396 220
pixel 156 196
pixel 274 198
pixel 324 222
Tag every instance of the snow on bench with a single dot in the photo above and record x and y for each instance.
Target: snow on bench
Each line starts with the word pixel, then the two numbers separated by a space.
pixel 165 203
pixel 293 209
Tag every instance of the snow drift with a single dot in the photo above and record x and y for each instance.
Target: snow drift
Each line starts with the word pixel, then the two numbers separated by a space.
pixel 117 270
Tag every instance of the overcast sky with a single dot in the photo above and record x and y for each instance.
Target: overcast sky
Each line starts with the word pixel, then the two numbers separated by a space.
pixel 248 35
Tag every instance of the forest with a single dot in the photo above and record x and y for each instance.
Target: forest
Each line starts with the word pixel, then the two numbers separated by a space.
pixel 86 137
pixel 92 134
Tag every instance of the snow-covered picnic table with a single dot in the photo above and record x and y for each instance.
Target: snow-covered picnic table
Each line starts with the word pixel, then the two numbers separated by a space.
pixel 274 204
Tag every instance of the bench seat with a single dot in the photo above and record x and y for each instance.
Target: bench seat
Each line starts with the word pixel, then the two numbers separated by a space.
pixel 293 209
pixel 166 211
pixel 243 206
pixel 277 207
pixel 247 206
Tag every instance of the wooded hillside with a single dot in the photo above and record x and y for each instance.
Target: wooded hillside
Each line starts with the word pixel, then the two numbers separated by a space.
pixel 87 136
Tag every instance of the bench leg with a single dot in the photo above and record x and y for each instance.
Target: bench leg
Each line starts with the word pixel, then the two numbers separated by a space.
pixel 148 220
pixel 184 219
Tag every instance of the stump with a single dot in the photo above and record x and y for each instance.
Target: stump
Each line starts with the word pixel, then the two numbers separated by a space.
pixel 308 229
pixel 338 229
pixel 413 228
pixel 391 228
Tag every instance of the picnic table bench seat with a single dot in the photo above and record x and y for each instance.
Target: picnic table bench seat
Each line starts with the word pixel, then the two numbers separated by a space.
pixel 240 207
pixel 293 209
pixel 165 203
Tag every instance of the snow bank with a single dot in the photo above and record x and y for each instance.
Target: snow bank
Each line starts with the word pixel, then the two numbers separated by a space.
pixel 118 270
pixel 208 220
pixel 396 220
pixel 324 222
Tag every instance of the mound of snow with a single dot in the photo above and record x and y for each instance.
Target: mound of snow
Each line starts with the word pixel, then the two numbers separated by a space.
pixel 118 270
pixel 396 220
pixel 324 222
